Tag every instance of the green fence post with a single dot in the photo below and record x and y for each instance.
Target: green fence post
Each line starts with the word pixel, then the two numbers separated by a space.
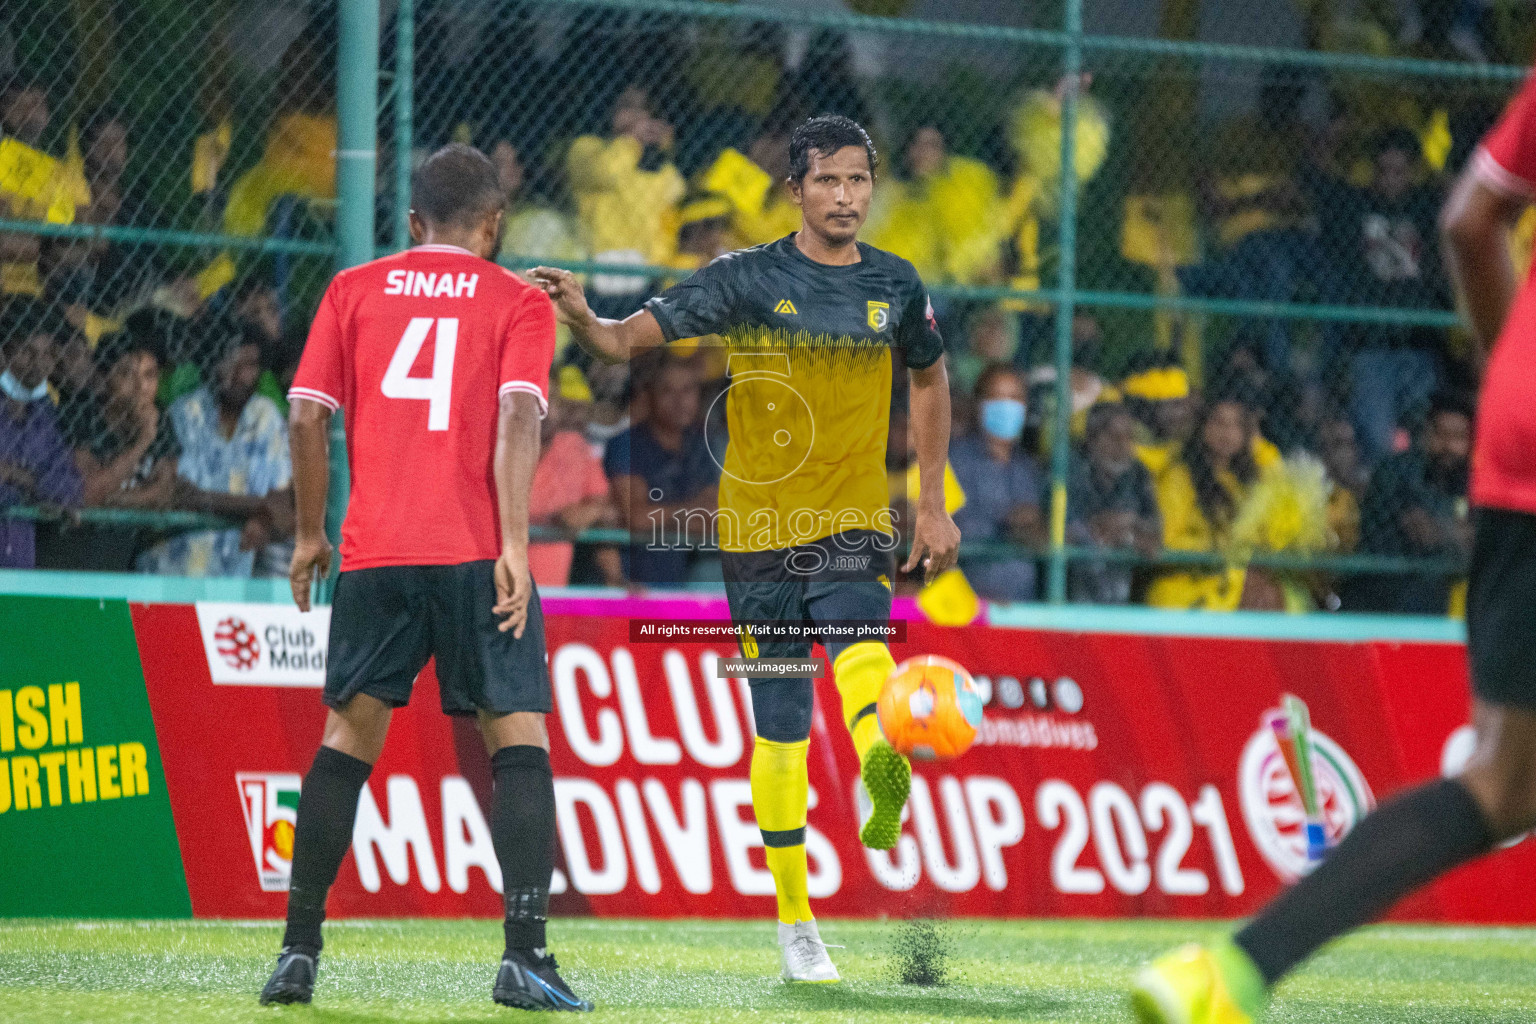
pixel 1072 67
pixel 405 71
pixel 357 102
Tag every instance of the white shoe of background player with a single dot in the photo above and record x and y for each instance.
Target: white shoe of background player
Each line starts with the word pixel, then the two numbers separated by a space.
pixel 803 956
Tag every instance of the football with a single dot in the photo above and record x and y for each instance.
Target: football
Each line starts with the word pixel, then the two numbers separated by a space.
pixel 930 708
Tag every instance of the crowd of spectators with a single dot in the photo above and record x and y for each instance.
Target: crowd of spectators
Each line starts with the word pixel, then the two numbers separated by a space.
pixel 140 383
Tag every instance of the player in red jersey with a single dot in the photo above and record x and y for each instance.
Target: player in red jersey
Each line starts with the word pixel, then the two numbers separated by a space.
pixel 440 359
pixel 1427 831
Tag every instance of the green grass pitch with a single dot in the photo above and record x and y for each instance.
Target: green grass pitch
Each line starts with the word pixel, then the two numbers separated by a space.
pixel 650 971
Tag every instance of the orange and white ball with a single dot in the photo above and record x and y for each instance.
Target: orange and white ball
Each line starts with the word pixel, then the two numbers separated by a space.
pixel 930 708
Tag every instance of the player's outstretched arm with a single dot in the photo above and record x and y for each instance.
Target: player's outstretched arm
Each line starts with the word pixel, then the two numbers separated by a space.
pixel 935 537
pixel 517 454
pixel 1475 225
pixel 612 341
pixel 309 428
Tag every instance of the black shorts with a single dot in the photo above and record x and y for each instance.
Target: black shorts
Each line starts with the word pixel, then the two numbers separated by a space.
pixel 1501 607
pixel 845 577
pixel 387 621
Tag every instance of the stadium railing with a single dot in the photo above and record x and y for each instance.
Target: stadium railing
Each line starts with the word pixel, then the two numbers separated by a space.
pixel 1170 140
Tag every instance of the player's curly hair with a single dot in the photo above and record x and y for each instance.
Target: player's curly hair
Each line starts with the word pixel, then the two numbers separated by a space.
pixel 826 134
pixel 456 186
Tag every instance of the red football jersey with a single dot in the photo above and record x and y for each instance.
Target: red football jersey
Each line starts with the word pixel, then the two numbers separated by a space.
pixel 1504 453
pixel 418 348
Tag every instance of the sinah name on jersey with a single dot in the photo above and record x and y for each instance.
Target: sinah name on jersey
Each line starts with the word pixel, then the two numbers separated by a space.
pixel 431 286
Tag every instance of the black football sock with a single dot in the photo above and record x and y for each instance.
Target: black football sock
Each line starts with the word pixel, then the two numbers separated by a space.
pixel 523 832
pixel 327 810
pixel 1396 849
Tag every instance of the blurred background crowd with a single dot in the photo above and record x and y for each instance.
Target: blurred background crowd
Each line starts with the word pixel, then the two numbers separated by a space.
pixel 146 377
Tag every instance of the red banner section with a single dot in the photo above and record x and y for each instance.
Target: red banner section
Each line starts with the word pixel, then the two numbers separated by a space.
pixel 1115 775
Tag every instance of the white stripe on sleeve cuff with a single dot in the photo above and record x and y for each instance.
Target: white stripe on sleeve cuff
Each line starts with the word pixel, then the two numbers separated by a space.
pixel 532 389
pixel 314 396
pixel 1492 173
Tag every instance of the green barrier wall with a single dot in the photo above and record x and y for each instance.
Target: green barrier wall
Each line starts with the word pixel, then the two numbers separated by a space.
pixel 85 819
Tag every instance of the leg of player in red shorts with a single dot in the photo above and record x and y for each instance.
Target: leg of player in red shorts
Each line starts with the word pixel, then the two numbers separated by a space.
pixel 1404 844
pixel 444 574
pixel 353 739
pixel 1428 830
pixel 523 833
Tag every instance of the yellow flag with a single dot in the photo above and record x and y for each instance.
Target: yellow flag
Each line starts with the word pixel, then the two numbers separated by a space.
pixel 954 494
pixel 36 185
pixel 949 600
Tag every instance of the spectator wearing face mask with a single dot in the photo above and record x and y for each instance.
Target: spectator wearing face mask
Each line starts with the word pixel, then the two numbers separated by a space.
pixel 36 466
pixel 1003 488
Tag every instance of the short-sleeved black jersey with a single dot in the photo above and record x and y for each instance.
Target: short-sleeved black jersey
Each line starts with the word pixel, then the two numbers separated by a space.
pixel 808 409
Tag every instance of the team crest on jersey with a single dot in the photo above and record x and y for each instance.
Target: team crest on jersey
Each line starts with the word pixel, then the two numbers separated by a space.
pixel 879 315
pixel 786 308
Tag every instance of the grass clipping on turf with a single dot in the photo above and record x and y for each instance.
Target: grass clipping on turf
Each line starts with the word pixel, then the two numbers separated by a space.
pixel 920 953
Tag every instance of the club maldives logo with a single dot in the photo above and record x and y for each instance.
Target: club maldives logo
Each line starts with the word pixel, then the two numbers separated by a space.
pixel 271 804
pixel 236 643
pixel 1301 793
pixel 264 644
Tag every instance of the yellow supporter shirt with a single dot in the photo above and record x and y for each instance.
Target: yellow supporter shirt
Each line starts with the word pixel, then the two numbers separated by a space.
pixel 622 208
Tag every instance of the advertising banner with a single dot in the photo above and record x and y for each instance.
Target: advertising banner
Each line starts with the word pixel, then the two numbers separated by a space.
pixel 264 644
pixel 85 821
pixel 1115 775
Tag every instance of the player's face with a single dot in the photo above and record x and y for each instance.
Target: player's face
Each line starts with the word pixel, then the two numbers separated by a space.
pixel 834 194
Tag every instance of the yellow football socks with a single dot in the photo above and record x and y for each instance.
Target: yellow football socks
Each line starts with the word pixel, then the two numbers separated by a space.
pixel 780 794
pixel 860 672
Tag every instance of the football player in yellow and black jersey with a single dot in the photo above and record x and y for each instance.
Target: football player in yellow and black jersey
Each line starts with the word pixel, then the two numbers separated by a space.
pixel 813 324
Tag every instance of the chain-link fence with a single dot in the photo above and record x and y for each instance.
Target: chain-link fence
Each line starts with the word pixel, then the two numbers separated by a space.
pixel 167 181
pixel 1231 324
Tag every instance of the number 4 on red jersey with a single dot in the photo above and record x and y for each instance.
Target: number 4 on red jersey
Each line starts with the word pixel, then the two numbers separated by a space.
pixel 417 349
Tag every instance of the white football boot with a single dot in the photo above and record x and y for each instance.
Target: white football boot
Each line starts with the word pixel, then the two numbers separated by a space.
pixel 803 956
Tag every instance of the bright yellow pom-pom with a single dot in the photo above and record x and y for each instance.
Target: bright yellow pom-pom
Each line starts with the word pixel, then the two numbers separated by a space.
pixel 930 708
